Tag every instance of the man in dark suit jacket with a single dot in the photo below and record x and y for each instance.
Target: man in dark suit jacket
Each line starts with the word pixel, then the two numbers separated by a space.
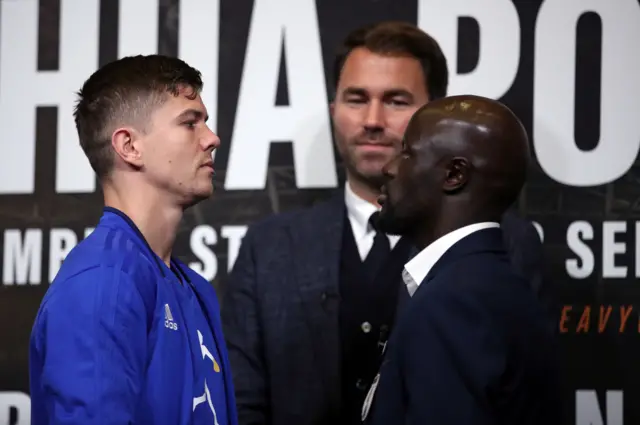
pixel 473 345
pixel 312 296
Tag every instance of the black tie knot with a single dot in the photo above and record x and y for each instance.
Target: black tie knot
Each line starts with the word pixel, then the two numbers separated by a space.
pixel 380 250
pixel 374 221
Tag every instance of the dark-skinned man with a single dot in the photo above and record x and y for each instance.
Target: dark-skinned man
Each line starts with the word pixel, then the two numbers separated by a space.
pixel 313 293
pixel 472 346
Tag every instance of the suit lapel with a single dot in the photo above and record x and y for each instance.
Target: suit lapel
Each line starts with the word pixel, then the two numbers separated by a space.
pixel 403 296
pixel 316 245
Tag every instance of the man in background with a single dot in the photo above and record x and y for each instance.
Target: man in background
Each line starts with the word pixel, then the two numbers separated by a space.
pixel 474 345
pixel 313 294
pixel 128 334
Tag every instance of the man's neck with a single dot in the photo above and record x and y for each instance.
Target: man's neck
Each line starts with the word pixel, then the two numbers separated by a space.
pixel 364 191
pixel 157 219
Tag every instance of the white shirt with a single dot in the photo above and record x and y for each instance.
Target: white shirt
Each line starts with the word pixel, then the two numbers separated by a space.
pixel 359 211
pixel 417 269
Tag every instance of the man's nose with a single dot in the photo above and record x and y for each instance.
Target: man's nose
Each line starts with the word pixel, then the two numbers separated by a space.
pixel 374 117
pixel 210 140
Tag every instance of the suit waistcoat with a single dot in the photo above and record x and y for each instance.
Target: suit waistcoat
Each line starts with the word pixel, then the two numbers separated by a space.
pixel 366 315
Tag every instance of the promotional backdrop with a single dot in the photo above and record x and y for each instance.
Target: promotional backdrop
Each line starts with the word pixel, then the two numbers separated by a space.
pixel 568 68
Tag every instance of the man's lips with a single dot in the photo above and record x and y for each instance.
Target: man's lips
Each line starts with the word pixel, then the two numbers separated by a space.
pixel 208 165
pixel 374 147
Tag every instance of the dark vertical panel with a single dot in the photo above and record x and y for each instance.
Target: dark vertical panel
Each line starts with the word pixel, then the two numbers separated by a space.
pixel 468 45
pixel 235 17
pixel 49 35
pixel 588 78
pixel 108 48
pixel 168 21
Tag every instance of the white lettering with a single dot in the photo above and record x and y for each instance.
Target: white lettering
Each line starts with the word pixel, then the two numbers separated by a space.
pixel 305 122
pixel 539 229
pixel 499 44
pixel 200 20
pixel 138 28
pixel 202 237
pixel 610 248
pixel 22 259
pixel 61 242
pixel 19 401
pixel 88 231
pixel 23 88
pixel 234 235
pixel 554 92
pixel 206 396
pixel 577 232
pixel 588 409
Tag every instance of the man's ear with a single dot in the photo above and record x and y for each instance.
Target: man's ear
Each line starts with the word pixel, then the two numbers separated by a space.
pixel 457 174
pixel 332 108
pixel 125 142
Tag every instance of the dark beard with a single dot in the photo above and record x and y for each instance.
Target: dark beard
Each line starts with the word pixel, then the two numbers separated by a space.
pixel 391 224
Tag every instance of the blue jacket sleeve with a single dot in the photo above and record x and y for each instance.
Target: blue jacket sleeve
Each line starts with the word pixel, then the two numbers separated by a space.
pixel 91 337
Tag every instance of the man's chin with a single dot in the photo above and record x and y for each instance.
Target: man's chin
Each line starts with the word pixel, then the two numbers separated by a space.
pixel 372 176
pixel 392 225
pixel 199 195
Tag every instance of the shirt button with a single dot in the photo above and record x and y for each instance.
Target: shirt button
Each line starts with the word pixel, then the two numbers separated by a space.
pixel 360 384
pixel 366 327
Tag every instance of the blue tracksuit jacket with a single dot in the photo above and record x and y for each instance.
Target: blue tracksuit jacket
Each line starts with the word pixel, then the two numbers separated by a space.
pixel 120 338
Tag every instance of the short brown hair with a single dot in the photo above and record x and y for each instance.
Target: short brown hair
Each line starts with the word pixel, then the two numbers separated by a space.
pixel 126 92
pixel 401 39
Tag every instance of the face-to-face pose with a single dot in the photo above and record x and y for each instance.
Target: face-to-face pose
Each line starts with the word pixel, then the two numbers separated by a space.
pixel 464 159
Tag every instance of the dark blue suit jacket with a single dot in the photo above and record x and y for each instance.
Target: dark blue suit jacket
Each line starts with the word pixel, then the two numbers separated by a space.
pixel 280 313
pixel 473 346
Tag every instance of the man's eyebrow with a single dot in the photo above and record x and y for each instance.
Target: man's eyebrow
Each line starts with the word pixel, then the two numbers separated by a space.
pixel 192 113
pixel 354 91
pixel 398 92
pixel 359 91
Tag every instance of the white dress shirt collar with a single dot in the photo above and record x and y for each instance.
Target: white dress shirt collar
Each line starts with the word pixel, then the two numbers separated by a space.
pixel 359 211
pixel 417 269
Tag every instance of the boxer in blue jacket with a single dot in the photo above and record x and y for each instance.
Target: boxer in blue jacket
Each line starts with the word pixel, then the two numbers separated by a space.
pixel 127 334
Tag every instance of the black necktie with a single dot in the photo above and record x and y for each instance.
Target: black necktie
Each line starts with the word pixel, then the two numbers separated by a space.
pixel 379 251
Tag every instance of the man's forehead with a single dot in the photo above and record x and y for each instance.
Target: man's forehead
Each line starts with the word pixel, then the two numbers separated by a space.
pixel 381 73
pixel 179 107
pixel 184 101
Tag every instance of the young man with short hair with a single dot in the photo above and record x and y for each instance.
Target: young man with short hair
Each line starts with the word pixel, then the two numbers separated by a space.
pixel 128 334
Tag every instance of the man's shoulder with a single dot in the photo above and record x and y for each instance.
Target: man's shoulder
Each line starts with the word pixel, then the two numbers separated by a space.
pixel 109 246
pixel 106 256
pixel 478 274
pixel 479 283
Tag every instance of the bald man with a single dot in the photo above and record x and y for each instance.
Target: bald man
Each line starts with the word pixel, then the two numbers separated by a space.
pixel 472 346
